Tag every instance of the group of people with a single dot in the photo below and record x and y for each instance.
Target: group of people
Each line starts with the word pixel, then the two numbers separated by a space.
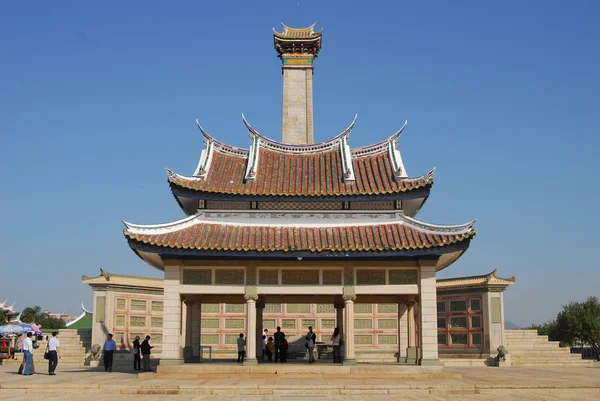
pixel 141 351
pixel 277 345
pixel 28 344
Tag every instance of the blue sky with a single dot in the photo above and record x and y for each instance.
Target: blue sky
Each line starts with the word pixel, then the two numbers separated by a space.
pixel 503 97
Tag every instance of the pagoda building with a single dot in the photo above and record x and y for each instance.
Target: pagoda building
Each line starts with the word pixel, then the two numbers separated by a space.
pixel 296 222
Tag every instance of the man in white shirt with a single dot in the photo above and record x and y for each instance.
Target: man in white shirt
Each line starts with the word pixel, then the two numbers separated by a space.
pixel 28 352
pixel 53 353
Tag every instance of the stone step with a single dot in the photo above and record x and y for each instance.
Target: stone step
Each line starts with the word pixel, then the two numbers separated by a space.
pixel 542 359
pixel 582 363
pixel 537 351
pixel 528 345
pixel 462 362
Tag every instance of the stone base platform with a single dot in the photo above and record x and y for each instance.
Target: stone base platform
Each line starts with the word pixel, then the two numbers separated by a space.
pixel 474 384
pixel 303 370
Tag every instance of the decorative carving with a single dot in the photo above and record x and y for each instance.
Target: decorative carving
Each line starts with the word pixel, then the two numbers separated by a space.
pixel 229 276
pixel 209 323
pixel 387 324
pixel 120 321
pixel 157 306
pixel 327 324
pixel 227 205
pixel 325 308
pixel 133 335
pixel 210 308
pixel 251 275
pixel 231 338
pixel 298 308
pixel 234 308
pixel 363 323
pixel 387 339
pixel 332 277
pixel 137 321
pixel 288 323
pixel 398 276
pixel 300 277
pixel 121 303
pixel 379 205
pixel 370 277
pixel 268 277
pixel 387 308
pixel 156 322
pixel 363 308
pixel 269 324
pixel 308 322
pixel 502 352
pixel 96 352
pixel 197 276
pixel 363 339
pixel 300 205
pixel 234 323
pixel 348 276
pixel 137 304
pixel 209 339
pixel 272 308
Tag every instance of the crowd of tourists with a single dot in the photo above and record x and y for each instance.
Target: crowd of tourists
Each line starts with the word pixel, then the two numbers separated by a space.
pixel 141 352
pixel 27 344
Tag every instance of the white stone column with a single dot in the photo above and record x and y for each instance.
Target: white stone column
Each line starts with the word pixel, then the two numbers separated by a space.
pixel 171 347
pixel 428 314
pixel 260 307
pixel 349 357
pixel 250 329
pixel 196 328
pixel 402 331
pixel 411 350
pixel 188 353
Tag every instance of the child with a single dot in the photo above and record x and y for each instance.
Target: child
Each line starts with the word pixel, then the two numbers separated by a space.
pixel 241 342
pixel 269 348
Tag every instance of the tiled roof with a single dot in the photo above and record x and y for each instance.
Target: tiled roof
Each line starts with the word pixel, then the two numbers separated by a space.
pixel 285 174
pixel 194 234
pixel 297 33
pixel 475 281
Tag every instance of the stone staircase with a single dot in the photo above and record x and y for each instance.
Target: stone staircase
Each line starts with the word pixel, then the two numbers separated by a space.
pixel 74 346
pixel 527 348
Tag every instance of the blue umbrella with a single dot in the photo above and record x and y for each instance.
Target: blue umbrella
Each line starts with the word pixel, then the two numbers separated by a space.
pixel 29 328
pixel 12 329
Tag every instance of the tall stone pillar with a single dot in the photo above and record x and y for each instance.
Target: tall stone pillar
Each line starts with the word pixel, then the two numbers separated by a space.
pixel 411 350
pixel 188 353
pixel 171 347
pixel 196 328
pixel 402 331
pixel 349 298
pixel 250 329
pixel 260 307
pixel 428 313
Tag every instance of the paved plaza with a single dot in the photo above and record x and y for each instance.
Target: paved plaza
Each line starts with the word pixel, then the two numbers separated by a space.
pixel 548 383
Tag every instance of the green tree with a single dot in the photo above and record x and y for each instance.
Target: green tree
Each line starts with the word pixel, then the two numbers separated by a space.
pixel 549 328
pixel 579 324
pixel 34 314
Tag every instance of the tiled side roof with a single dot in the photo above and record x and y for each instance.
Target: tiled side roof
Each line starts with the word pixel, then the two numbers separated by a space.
pixel 297 33
pixel 285 174
pixel 268 238
pixel 474 281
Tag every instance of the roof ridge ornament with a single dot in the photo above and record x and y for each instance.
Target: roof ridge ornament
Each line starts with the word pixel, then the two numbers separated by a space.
pixel 252 164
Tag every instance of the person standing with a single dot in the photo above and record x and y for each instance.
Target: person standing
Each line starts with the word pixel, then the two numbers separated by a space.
pixel 145 348
pixel 269 348
pixel 311 341
pixel 241 343
pixel 109 349
pixel 53 353
pixel 278 338
pixel 28 352
pixel 283 349
pixel 264 345
pixel 336 341
pixel 137 357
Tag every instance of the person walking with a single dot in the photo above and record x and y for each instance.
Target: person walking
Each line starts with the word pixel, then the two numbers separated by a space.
pixel 28 352
pixel 53 353
pixel 241 343
pixel 311 341
pixel 137 357
pixel 278 337
pixel 336 341
pixel 145 348
pixel 109 349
